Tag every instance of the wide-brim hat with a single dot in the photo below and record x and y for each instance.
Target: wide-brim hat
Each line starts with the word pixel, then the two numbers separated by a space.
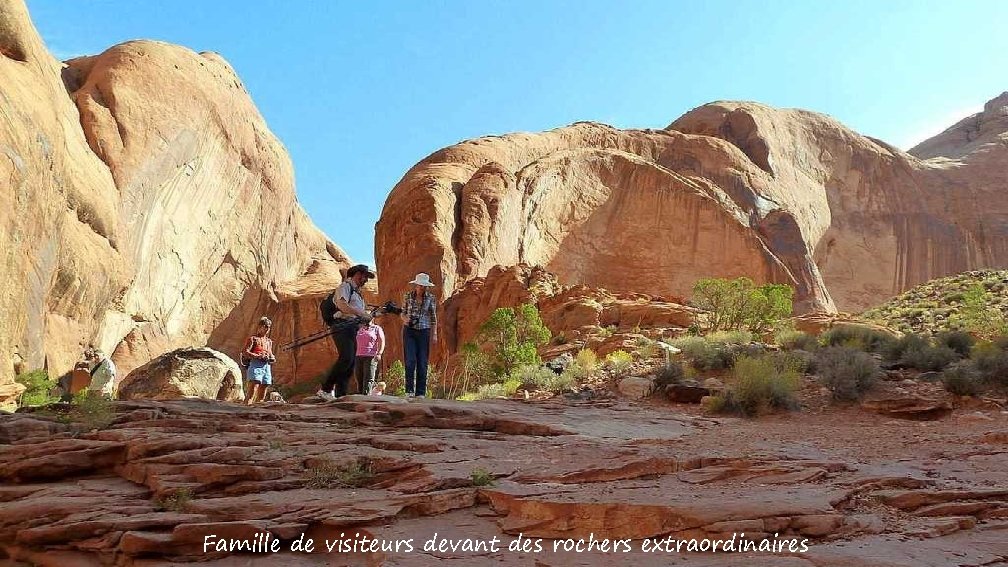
pixel 354 270
pixel 422 279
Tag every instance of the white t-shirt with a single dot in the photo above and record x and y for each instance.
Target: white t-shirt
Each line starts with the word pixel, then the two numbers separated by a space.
pixel 352 296
pixel 103 378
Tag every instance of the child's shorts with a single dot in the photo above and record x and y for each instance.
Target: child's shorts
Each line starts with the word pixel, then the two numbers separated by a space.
pixel 259 372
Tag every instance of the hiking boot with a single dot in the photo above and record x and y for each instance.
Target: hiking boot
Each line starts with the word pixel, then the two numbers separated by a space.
pixel 325 396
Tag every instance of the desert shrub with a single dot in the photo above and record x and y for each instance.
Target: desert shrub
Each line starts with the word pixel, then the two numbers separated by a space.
pixel 646 348
pixel 327 474
pixel 857 337
pixel 514 335
pixel 929 358
pixel 587 360
pixel 959 341
pixel 486 392
pixel 558 383
pixel 511 386
pixel 796 340
pixel 670 374
pixel 739 304
pixel 705 355
pixel 38 387
pixel 962 379
pixel 990 359
pixel 759 384
pixel 92 410
pixel 619 361
pixel 177 501
pixel 481 477
pixel 530 374
pixel 608 331
pixel 730 337
pixel 848 372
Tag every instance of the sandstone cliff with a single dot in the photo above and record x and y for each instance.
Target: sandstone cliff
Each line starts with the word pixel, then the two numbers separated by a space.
pixel 143 199
pixel 730 188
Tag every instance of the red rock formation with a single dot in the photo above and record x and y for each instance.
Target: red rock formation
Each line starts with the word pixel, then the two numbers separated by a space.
pixel 148 199
pixel 730 188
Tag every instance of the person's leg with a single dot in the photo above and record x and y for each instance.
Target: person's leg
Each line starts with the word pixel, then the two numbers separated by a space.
pixel 372 371
pixel 331 376
pixel 409 359
pixel 360 366
pixel 347 344
pixel 253 393
pixel 267 381
pixel 423 355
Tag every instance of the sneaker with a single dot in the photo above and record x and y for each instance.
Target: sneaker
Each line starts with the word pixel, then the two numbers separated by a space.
pixel 410 395
pixel 326 396
pixel 420 396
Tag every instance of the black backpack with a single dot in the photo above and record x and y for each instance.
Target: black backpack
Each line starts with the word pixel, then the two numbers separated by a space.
pixel 328 309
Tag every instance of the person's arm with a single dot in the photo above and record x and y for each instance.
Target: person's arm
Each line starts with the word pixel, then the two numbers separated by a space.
pixel 381 341
pixel 248 348
pixel 404 316
pixel 433 317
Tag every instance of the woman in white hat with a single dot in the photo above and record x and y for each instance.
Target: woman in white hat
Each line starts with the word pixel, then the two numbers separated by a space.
pixel 419 318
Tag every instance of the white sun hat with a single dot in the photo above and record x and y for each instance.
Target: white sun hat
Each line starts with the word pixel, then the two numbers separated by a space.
pixel 422 279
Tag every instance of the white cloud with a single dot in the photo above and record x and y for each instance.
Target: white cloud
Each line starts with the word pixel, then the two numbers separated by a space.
pixel 923 130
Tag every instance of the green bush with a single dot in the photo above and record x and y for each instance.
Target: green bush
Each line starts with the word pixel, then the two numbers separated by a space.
pixel 759 384
pixel 559 383
pixel 92 410
pixel 915 351
pixel 705 355
pixel 978 315
pixel 481 477
pixel 796 340
pixel 511 386
pixel 670 374
pixel 962 379
pixel 848 372
pixel 530 374
pixel 514 335
pixel 990 359
pixel 857 337
pixel 619 361
pixel 38 386
pixel 959 341
pixel 739 304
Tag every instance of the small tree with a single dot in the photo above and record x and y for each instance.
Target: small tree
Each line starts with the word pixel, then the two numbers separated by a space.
pixel 515 335
pixel 739 304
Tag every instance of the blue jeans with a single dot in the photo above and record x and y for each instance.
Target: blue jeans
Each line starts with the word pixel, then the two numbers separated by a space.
pixel 416 350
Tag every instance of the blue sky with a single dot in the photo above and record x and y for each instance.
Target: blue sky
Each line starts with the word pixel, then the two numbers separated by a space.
pixel 360 91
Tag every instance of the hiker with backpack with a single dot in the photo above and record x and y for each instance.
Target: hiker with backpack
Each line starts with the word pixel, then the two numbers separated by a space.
pixel 350 312
pixel 419 319
pixel 259 356
pixel 103 374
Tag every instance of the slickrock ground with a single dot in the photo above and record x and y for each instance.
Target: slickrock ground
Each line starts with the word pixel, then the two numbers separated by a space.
pixel 866 490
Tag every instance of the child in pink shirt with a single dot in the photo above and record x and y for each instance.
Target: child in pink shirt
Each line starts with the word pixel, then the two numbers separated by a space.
pixel 370 346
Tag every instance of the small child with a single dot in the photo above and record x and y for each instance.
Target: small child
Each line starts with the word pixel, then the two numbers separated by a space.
pixel 259 351
pixel 370 346
pixel 378 389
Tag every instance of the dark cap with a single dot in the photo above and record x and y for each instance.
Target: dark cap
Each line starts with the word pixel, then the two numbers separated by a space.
pixel 359 268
